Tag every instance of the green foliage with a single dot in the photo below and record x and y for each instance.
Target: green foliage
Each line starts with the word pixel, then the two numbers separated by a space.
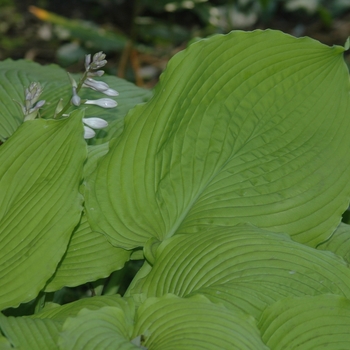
pixel 228 184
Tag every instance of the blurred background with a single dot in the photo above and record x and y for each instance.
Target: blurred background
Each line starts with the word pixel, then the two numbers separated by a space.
pixel 140 36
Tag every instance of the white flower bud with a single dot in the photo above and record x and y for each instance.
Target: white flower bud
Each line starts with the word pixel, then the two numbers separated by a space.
pixel 40 104
pixel 110 92
pixel 76 100
pixel 87 61
pixel 95 123
pixel 98 73
pixel 88 133
pixel 95 85
pixel 102 102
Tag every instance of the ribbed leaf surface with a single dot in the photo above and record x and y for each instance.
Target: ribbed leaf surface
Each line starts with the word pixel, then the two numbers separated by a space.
pixel 245 127
pixel 89 256
pixel 61 313
pixel 243 267
pixel 172 323
pixel 46 329
pixel 308 323
pixel 106 328
pixel 40 171
pixel 339 243
pixel 30 334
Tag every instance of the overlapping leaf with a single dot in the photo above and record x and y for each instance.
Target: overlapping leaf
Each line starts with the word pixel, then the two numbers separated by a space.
pixel 170 322
pixel 244 267
pixel 30 334
pixel 62 312
pixel 339 243
pixel 89 256
pixel 246 127
pixel 319 322
pixel 44 329
pixel 106 328
pixel 41 168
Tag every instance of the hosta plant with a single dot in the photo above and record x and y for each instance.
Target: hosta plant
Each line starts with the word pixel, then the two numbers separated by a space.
pixel 224 188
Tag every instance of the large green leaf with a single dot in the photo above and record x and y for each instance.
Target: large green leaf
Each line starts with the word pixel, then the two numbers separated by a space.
pixel 30 334
pixel 244 267
pixel 62 312
pixel 41 168
pixel 320 322
pixel 245 127
pixel 106 328
pixel 43 330
pixel 170 322
pixel 89 256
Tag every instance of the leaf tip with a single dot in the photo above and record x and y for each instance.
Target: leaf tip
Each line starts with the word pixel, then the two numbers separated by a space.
pixel 347 44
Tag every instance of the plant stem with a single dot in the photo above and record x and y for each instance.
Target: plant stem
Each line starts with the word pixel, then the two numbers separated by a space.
pixel 40 302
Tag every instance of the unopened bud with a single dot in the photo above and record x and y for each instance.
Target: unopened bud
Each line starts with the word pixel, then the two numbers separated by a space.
pixel 102 102
pixel 95 123
pixel 75 99
pixel 88 133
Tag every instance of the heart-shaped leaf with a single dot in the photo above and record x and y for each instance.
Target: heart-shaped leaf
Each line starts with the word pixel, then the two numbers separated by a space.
pixel 170 322
pixel 245 127
pixel 244 267
pixel 41 168
pixel 89 256
pixel 106 328
pixel 30 334
pixel 319 322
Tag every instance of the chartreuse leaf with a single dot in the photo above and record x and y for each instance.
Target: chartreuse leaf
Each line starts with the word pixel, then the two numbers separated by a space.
pixel 339 243
pixel 30 334
pixel 106 328
pixel 243 267
pixel 171 322
pixel 40 171
pixel 168 322
pixel 61 313
pixel 4 343
pixel 89 256
pixel 43 330
pixel 319 322
pixel 94 155
pixel 245 127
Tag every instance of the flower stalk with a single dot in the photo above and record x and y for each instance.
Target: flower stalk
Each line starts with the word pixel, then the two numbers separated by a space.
pixel 31 105
pixel 92 69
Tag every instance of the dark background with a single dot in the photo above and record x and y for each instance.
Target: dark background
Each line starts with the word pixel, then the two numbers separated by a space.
pixel 140 36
